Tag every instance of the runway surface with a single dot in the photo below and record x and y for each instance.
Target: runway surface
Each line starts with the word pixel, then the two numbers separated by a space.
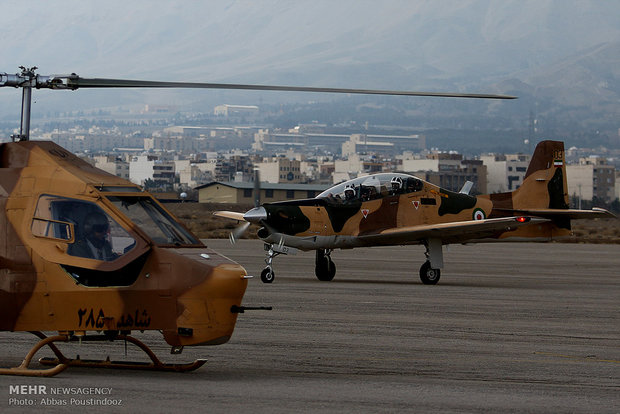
pixel 509 328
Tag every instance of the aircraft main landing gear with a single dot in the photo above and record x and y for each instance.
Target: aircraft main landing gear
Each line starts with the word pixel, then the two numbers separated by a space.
pixel 428 275
pixel 429 272
pixel 325 269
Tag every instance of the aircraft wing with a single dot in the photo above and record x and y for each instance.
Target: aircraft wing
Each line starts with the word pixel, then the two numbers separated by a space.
pixel 565 213
pixel 453 232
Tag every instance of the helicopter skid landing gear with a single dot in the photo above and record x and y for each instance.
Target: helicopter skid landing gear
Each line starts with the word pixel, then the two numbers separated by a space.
pixel 23 370
pixel 154 365
pixel 60 363
pixel 324 269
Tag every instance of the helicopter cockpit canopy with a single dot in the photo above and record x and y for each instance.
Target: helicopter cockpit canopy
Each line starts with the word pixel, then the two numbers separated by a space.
pixel 99 245
pixel 89 231
pixel 373 187
pixel 161 228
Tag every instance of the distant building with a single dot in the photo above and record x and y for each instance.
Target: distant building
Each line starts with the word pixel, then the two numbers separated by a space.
pixel 158 109
pixel 354 166
pixel 175 143
pixel 227 168
pixel 113 165
pixel 269 141
pixel 147 167
pixel 449 171
pixel 505 172
pixel 454 179
pixel 242 192
pixel 592 177
pixel 382 144
pixel 236 110
pixel 280 170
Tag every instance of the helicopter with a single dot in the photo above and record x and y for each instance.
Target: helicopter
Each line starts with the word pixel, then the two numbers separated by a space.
pixel 400 209
pixel 94 257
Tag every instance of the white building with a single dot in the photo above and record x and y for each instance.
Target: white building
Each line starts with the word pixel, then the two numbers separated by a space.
pixel 280 170
pixel 592 177
pixel 388 144
pixel 192 175
pixel 147 167
pixel 505 172
pixel 236 110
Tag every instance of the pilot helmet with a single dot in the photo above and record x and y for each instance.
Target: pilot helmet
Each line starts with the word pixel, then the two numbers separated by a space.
pixel 349 191
pixel 397 183
pixel 96 222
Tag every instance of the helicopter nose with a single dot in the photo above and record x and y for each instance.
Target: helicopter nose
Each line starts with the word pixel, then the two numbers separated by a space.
pixel 256 215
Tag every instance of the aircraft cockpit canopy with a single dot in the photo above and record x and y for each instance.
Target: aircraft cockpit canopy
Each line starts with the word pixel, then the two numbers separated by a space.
pixel 372 187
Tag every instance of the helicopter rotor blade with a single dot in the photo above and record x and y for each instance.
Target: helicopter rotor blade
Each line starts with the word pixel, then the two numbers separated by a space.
pixel 74 81
pixel 79 82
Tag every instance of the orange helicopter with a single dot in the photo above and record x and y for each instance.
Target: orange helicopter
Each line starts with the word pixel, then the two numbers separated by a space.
pixel 94 257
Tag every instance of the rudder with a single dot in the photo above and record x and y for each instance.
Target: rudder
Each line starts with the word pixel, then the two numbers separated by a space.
pixel 544 184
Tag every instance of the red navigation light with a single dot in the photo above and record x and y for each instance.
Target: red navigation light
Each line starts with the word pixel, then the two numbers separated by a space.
pixel 523 219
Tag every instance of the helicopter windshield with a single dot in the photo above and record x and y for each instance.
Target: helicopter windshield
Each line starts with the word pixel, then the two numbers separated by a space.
pixel 90 231
pixel 153 220
pixel 372 187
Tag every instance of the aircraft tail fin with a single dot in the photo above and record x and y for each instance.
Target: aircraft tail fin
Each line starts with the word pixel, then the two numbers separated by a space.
pixel 544 185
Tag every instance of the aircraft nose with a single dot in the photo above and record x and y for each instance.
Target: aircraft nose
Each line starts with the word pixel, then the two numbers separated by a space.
pixel 256 215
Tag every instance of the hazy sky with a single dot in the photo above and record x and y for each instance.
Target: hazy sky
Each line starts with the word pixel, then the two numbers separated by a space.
pixel 424 44
pixel 120 38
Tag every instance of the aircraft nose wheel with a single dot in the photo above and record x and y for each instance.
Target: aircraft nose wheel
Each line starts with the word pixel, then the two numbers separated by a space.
pixel 428 275
pixel 267 275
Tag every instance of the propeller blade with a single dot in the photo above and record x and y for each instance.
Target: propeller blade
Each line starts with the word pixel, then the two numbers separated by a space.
pixel 238 232
pixel 74 81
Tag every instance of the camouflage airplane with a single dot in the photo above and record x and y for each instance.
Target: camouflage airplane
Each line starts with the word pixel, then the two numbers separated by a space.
pixel 84 251
pixel 399 209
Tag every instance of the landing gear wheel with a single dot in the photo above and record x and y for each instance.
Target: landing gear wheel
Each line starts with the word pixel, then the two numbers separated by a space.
pixel 325 269
pixel 267 275
pixel 428 275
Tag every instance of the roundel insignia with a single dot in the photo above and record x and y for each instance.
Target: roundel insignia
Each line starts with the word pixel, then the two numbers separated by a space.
pixel 479 214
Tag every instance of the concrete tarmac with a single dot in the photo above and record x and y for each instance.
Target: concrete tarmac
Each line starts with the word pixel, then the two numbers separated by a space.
pixel 509 328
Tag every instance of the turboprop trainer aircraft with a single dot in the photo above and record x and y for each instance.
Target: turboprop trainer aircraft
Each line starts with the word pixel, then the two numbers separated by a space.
pixel 400 209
